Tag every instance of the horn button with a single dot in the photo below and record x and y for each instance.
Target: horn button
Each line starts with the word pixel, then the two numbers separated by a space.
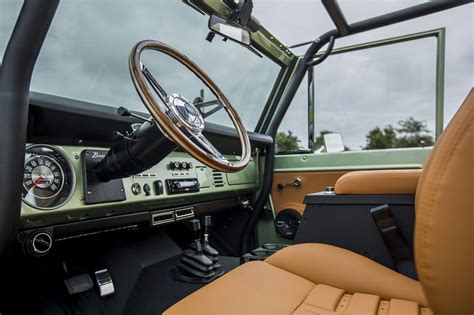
pixel 184 113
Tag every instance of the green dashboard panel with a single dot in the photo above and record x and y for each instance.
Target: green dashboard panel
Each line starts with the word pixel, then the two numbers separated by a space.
pixel 213 186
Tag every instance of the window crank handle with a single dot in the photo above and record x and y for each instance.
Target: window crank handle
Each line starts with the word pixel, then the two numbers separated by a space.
pixel 295 183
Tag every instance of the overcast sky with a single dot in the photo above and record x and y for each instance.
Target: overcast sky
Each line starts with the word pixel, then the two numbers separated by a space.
pixel 85 57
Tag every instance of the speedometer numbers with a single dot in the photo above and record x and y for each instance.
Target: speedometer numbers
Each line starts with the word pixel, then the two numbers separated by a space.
pixel 48 178
pixel 42 177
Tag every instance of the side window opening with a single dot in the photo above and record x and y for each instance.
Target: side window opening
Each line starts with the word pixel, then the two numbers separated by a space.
pixel 386 94
pixel 385 97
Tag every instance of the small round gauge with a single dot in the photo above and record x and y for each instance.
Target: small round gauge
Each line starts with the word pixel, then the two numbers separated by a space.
pixel 48 177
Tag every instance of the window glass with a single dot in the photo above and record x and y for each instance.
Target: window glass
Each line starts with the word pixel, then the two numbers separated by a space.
pixel 293 132
pixel 296 21
pixel 378 98
pixel 85 55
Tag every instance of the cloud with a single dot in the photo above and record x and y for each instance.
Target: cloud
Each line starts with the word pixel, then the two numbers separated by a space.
pixel 380 86
pixel 85 57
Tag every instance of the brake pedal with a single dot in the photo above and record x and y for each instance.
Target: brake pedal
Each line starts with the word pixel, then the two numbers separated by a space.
pixel 78 284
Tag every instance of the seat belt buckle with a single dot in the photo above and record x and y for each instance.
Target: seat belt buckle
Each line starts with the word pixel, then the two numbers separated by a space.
pixel 104 282
pixel 391 233
pixel 381 213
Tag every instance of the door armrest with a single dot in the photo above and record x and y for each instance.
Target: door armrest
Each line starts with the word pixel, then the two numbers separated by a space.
pixel 379 182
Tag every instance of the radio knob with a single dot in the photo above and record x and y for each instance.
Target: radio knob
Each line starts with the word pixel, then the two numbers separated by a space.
pixel 174 165
pixel 184 165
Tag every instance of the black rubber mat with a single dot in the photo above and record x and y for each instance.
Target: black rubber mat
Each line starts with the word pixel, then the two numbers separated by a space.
pixel 155 290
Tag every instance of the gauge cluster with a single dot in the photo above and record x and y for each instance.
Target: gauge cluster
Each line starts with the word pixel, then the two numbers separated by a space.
pixel 48 177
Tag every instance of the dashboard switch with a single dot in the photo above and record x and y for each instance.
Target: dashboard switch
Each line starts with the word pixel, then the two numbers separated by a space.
pixel 147 189
pixel 158 187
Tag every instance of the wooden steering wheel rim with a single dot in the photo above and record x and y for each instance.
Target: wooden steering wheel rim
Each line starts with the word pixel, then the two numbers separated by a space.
pixel 169 128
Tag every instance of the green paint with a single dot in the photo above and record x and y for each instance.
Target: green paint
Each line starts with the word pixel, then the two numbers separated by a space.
pixel 266 234
pixel 262 40
pixel 352 160
pixel 76 210
pixel 440 65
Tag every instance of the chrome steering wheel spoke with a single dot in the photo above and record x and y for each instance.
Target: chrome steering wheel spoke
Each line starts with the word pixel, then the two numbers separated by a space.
pixel 205 144
pixel 154 84
pixel 200 106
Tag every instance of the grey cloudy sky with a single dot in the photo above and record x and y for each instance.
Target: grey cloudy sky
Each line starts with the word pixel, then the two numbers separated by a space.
pixel 358 91
pixel 85 57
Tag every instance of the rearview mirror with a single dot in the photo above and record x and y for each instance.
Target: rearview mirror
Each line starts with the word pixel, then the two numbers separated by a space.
pixel 333 142
pixel 229 30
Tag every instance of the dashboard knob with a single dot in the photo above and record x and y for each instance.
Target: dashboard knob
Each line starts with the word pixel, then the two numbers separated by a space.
pixel 184 165
pixel 136 189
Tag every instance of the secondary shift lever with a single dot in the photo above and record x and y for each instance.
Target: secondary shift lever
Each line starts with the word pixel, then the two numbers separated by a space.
pixel 207 249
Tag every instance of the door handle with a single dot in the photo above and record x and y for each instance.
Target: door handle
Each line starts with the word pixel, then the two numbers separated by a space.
pixel 295 183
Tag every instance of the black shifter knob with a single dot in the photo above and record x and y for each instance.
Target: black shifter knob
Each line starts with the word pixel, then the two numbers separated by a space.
pixel 207 223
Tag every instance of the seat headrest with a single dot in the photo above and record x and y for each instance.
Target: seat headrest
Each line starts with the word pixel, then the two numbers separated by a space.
pixel 444 231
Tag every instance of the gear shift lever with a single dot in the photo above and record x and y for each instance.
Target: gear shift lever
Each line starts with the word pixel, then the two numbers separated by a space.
pixel 196 230
pixel 207 249
pixel 197 254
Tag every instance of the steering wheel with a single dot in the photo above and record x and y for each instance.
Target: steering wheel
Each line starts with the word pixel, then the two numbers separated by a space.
pixel 179 119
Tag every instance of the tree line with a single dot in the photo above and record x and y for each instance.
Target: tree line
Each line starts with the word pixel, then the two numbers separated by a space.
pixel 408 133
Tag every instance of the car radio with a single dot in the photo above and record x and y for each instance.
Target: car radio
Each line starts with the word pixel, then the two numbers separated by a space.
pixel 182 185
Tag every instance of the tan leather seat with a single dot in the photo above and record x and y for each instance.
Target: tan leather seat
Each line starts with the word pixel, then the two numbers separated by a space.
pixel 323 279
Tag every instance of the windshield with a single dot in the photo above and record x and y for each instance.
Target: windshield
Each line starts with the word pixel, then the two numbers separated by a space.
pixel 85 55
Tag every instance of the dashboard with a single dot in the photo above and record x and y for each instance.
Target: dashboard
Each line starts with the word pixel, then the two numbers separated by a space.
pixel 55 191
pixel 61 200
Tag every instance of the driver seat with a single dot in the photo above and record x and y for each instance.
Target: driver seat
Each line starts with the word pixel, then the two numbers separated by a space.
pixel 323 279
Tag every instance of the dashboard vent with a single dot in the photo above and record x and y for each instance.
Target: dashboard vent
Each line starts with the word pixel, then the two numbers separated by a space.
pixel 162 217
pixel 184 213
pixel 218 178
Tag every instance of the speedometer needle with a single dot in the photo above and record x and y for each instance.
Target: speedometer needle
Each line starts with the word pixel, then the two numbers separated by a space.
pixel 38 181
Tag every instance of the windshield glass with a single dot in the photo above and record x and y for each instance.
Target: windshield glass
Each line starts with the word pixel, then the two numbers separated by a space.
pixel 85 55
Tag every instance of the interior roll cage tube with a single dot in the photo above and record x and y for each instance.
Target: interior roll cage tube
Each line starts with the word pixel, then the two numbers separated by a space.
pixel 341 30
pixel 19 60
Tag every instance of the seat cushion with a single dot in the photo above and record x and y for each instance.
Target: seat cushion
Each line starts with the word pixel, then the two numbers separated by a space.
pixel 253 288
pixel 308 279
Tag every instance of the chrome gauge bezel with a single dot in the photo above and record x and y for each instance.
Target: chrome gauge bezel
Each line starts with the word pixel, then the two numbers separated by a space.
pixel 73 176
pixel 60 168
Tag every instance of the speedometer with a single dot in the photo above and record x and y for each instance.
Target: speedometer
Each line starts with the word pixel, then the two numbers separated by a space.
pixel 48 177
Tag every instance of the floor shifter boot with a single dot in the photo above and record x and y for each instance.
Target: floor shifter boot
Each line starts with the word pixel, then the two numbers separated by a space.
pixel 199 264
pixel 197 253
pixel 192 263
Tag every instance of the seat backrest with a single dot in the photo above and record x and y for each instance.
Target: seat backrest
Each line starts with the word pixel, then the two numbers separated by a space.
pixel 444 241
